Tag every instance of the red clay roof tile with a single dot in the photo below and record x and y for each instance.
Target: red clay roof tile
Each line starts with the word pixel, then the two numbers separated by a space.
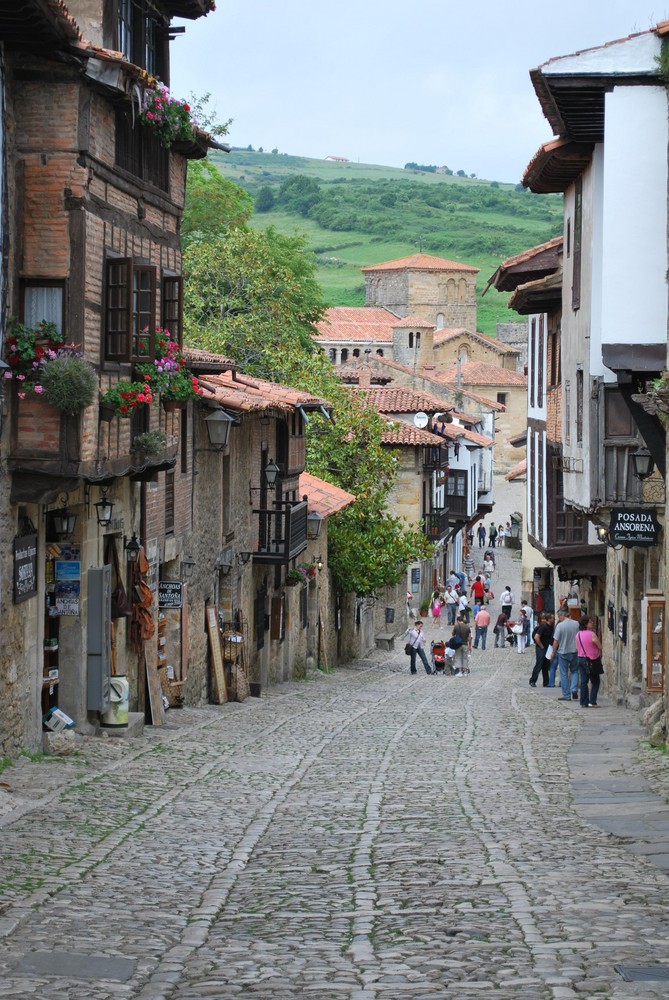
pixel 420 262
pixel 325 498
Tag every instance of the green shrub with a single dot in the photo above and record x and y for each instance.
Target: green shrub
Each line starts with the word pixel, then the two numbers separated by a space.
pixel 69 382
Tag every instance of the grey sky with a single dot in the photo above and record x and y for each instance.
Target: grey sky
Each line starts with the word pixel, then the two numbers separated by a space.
pixel 383 81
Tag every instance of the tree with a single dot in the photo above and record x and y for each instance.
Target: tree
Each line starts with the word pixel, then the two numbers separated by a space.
pixel 299 194
pixel 213 203
pixel 251 296
pixel 264 199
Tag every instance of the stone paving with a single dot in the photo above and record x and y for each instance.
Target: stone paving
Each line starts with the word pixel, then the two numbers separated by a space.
pixel 363 835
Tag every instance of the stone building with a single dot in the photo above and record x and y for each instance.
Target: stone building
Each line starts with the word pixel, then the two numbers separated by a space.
pixel 91 223
pixel 441 292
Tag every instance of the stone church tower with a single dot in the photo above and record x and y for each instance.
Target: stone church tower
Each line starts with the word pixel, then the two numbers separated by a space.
pixel 413 339
pixel 438 291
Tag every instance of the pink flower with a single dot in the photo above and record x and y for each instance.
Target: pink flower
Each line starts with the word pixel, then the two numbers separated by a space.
pixel 39 389
pixel 21 378
pixel 8 375
pixel 22 395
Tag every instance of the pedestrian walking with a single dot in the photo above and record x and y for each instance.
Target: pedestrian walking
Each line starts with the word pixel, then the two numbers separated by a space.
pixel 478 590
pixel 506 601
pixel 492 536
pixel 463 605
pixel 470 568
pixel 542 637
pixel 500 629
pixel 590 668
pixel 416 640
pixel 461 641
pixel 451 599
pixel 500 536
pixel 488 564
pixel 481 533
pixel 436 608
pixel 482 623
pixel 564 645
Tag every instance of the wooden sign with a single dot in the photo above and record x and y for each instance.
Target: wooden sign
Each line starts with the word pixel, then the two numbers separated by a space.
pixel 218 672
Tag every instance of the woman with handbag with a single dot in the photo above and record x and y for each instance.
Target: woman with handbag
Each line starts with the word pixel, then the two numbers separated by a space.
pixel 415 646
pixel 590 669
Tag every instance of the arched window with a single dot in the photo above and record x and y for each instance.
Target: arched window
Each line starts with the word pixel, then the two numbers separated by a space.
pixel 440 321
pixel 417 341
pixel 344 355
pixel 380 352
pixel 462 290
pixel 332 354
pixel 450 291
pixel 463 356
pixel 410 339
pixel 356 352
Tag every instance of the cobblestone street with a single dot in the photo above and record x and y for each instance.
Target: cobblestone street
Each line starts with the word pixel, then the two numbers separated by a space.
pixel 364 834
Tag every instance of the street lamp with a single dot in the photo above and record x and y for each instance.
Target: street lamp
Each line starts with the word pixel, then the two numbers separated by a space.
pixel 271 472
pixel 187 567
pixel 131 548
pixel 104 509
pixel 642 463
pixel 64 520
pixel 314 522
pixel 218 427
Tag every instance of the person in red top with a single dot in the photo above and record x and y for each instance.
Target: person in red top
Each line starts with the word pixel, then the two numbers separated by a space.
pixel 478 590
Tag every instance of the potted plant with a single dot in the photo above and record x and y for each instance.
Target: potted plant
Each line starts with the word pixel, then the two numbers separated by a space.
pixel 26 348
pixel 168 374
pixel 167 117
pixel 125 396
pixel 149 444
pixel 68 381
pixel 294 577
pixel 425 607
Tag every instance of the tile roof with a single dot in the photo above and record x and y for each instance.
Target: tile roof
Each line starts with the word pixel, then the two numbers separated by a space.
pixel 370 323
pixel 498 345
pixel 247 395
pixel 410 436
pixel 400 399
pixel 429 372
pixel 420 262
pixel 556 164
pixel 407 321
pixel 542 258
pixel 520 469
pixel 199 360
pixel 325 498
pixel 482 373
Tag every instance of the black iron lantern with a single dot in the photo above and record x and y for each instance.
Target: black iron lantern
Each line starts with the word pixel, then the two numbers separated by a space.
pixel 187 567
pixel 64 520
pixel 104 509
pixel 271 471
pixel 132 549
pixel 314 522
pixel 218 427
pixel 642 463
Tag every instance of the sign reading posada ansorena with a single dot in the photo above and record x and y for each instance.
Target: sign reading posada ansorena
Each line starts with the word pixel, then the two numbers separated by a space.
pixel 633 526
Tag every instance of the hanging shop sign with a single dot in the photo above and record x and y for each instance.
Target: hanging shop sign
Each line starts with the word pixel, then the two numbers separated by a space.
pixel 68 582
pixel 170 594
pixel 25 568
pixel 636 526
pixel 152 553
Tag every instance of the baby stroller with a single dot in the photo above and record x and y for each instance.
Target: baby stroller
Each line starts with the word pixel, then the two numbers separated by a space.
pixel 442 662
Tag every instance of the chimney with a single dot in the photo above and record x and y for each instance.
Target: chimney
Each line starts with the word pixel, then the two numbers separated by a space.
pixel 364 376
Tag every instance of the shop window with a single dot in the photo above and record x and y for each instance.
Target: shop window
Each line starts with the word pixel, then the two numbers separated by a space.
pixel 655 646
pixel 130 309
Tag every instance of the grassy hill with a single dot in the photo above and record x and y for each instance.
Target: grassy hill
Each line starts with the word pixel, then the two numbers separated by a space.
pixel 355 214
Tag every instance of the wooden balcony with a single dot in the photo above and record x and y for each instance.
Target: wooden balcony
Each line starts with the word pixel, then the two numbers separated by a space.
pixel 280 532
pixel 435 457
pixel 437 524
pixel 457 506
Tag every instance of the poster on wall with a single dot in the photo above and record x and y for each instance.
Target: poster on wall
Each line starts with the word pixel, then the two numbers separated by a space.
pixel 67 573
pixel 25 568
pixel 153 557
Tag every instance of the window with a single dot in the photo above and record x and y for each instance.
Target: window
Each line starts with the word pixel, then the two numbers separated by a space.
pixel 569 526
pixel 655 645
pixel 130 309
pixel 137 33
pixel 456 484
pixel 533 358
pixel 140 152
pixel 501 398
pixel 43 300
pixel 540 362
pixel 410 340
pixel 172 312
pixel 579 406
pixel 344 355
pixel 578 233
pixel 567 413
pixel 440 321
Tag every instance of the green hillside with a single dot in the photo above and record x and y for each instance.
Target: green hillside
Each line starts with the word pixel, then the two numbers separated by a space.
pixel 355 214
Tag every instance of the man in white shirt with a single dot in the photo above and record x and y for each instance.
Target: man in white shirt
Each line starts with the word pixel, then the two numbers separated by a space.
pixel 564 646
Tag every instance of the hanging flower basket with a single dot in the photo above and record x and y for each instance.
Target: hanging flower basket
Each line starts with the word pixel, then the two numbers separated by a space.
pixel 170 405
pixel 106 412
